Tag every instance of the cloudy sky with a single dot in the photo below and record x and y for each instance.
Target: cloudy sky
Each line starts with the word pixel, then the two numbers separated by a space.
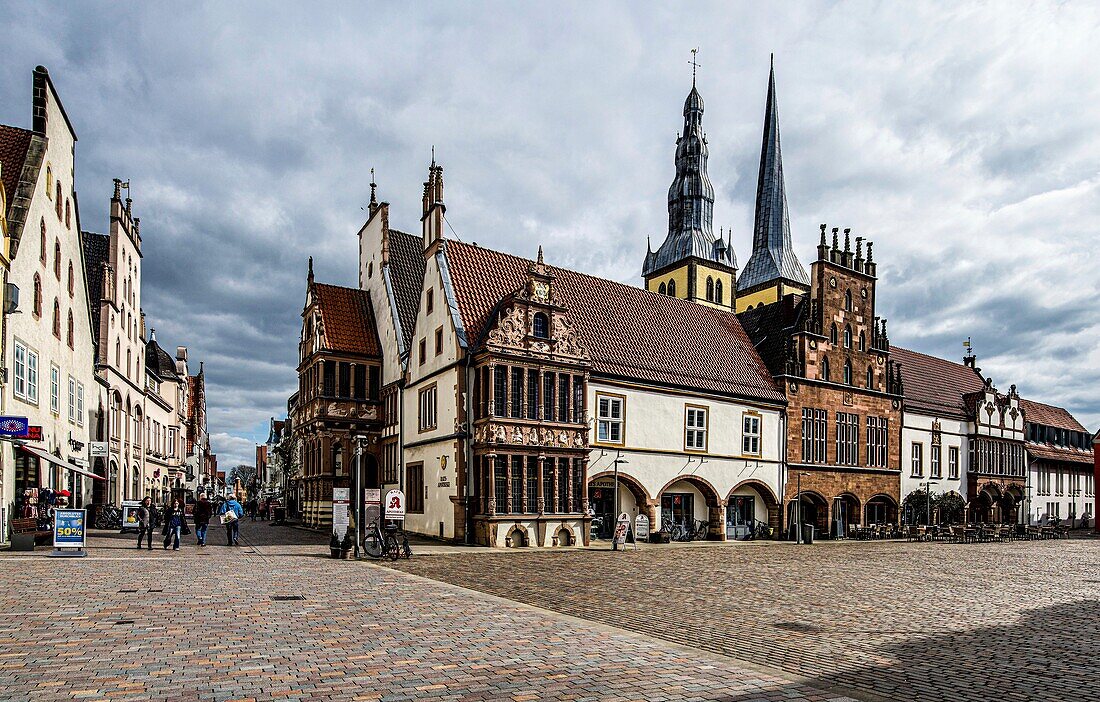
pixel 964 140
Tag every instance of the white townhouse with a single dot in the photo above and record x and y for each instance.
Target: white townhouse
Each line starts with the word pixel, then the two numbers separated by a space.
pixel 49 352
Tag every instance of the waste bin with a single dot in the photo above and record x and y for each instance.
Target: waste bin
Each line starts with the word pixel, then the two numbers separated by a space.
pixel 807 533
pixel 278 515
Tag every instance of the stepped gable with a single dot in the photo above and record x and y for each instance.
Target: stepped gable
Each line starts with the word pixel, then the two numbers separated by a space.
pixel 349 322
pixel 936 385
pixel 629 332
pixel 407 260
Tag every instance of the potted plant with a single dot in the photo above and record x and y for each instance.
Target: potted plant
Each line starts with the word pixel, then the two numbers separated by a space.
pixel 345 546
pixel 334 545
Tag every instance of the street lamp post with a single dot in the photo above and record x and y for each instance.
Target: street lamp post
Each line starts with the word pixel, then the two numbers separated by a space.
pixel 616 462
pixel 358 490
pixel 798 508
pixel 928 499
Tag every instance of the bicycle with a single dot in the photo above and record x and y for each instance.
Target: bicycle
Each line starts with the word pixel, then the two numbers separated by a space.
pixel 108 518
pixel 702 529
pixel 762 531
pixel 377 544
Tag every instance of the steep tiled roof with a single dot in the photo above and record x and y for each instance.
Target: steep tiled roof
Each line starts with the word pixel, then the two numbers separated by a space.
pixel 13 154
pixel 97 250
pixel 629 332
pixel 1059 453
pixel 935 385
pixel 159 362
pixel 770 327
pixel 407 274
pixel 1050 416
pixel 349 323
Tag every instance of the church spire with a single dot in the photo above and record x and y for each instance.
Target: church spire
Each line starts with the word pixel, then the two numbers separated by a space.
pixel 690 198
pixel 773 258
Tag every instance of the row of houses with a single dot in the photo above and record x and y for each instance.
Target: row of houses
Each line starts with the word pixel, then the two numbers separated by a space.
pixel 113 416
pixel 516 402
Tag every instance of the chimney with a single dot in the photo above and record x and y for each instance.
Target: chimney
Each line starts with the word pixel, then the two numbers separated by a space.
pixel 181 353
pixel 434 209
pixel 39 99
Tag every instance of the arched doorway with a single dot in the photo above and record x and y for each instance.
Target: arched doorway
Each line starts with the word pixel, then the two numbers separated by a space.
pixel 688 500
pixel 749 503
pixel 846 514
pixel 632 498
pixel 984 507
pixel 881 509
pixel 814 510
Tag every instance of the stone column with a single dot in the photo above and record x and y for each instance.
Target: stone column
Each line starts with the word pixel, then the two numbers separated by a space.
pixel 541 491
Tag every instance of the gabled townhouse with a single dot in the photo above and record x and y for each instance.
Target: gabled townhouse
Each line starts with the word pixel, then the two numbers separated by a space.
pixel 49 351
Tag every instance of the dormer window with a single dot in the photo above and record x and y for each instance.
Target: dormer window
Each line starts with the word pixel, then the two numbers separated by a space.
pixel 540 326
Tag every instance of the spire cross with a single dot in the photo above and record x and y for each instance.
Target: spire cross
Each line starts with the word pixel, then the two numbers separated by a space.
pixel 694 65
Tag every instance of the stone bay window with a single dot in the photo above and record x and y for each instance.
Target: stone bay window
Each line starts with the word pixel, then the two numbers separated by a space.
pixel 530 436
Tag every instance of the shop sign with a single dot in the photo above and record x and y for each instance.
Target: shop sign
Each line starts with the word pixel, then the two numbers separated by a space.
pixel 68 528
pixel 13 426
pixel 33 433
pixel 621 527
pixel 641 528
pixel 395 505
pixel 601 483
pixel 373 499
pixel 97 449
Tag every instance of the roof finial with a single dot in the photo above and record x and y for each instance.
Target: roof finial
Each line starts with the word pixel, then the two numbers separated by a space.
pixel 540 255
pixel 694 65
pixel 433 154
pixel 309 276
pixel 373 193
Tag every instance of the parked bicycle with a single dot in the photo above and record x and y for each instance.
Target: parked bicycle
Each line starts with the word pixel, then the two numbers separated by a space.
pixel 761 531
pixel 393 543
pixel 701 530
pixel 108 518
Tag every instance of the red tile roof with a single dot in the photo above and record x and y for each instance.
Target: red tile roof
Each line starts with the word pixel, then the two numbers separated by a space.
pixel 14 143
pixel 349 322
pixel 1057 453
pixel 1050 416
pixel 630 333
pixel 934 384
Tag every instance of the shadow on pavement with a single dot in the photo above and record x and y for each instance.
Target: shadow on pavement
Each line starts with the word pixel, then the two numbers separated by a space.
pixel 1047 655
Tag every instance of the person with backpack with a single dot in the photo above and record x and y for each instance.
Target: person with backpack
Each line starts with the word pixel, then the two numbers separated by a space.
pixel 231 512
pixel 145 516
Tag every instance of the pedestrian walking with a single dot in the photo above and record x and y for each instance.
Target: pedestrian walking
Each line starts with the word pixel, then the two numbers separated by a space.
pixel 231 513
pixel 201 513
pixel 174 519
pixel 252 509
pixel 145 516
pixel 265 510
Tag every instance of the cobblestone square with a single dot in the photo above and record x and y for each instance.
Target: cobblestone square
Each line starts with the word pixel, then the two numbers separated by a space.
pixel 211 624
pixel 902 621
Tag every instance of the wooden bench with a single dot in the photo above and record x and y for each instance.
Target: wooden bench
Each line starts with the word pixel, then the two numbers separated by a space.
pixel 25 534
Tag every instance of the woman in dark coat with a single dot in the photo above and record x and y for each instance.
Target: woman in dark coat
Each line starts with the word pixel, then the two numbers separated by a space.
pixel 173 523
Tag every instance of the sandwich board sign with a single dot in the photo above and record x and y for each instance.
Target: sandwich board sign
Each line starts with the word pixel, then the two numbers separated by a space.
pixel 395 505
pixel 69 532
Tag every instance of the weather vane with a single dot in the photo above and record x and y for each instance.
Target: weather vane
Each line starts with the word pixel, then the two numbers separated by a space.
pixel 694 65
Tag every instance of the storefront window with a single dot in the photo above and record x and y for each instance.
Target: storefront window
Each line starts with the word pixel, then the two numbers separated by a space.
pixel 740 516
pixel 678 508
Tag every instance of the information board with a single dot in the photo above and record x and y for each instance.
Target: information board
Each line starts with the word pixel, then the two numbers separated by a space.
pixel 622 525
pixel 340 519
pixel 641 528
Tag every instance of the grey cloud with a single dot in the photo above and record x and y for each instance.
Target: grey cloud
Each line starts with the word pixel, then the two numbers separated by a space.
pixel 959 137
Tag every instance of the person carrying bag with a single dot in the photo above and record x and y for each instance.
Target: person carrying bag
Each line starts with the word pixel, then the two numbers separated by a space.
pixel 231 513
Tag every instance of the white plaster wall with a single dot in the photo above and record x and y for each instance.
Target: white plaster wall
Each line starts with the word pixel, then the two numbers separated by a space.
pixel 653 446
pixel 37 334
pixel 917 427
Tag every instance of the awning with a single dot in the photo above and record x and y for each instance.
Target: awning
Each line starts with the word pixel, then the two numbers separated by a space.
pixel 47 456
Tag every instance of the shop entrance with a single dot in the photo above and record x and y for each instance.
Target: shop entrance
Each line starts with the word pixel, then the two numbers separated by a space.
pixel 740 516
pixel 601 500
pixel 678 508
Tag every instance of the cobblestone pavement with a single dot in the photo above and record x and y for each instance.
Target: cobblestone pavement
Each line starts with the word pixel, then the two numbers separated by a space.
pixel 905 621
pixel 204 624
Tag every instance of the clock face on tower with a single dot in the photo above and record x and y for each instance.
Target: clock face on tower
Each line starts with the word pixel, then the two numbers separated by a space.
pixel 541 290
